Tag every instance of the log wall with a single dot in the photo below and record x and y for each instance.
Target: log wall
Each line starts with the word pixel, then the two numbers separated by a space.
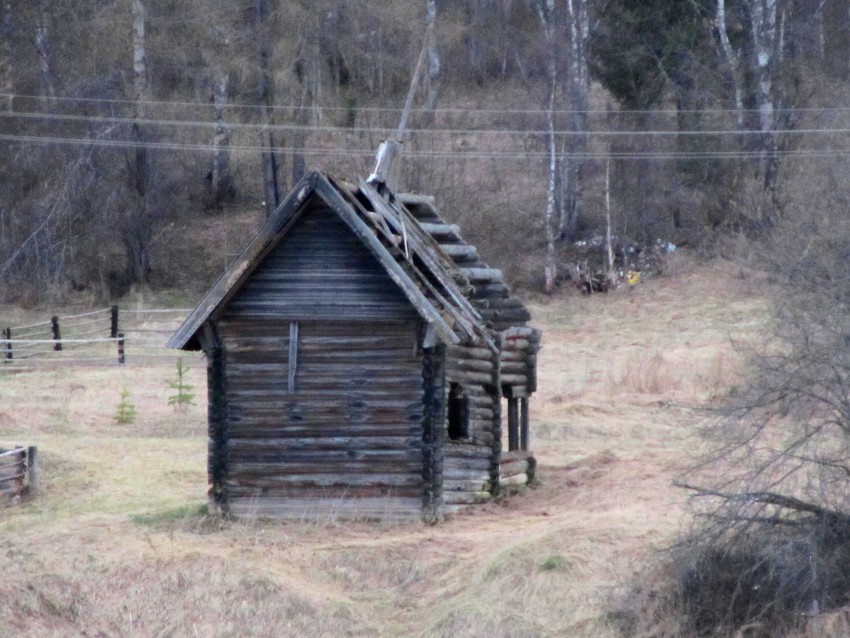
pixel 351 430
pixel 468 462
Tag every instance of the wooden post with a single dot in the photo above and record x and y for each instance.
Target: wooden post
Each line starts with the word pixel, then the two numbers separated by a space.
pixel 113 324
pixel 57 337
pixel 120 347
pixel 433 415
pixel 21 470
pixel 513 424
pixel 7 334
pixel 32 469
pixel 523 423
pixel 217 419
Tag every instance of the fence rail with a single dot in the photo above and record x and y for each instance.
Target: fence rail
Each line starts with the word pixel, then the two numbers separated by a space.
pixel 98 337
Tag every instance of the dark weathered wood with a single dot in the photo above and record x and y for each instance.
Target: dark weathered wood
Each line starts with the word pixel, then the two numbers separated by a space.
pixel 7 335
pixel 113 322
pixel 217 401
pixel 121 356
pixel 523 424
pixel 513 424
pixel 433 459
pixel 33 474
pixel 57 335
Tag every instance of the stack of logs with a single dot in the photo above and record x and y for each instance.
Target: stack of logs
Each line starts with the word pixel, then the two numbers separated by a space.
pixel 18 472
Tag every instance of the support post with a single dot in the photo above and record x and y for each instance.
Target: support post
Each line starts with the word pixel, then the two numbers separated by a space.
pixel 7 335
pixel 217 418
pixel 57 336
pixel 523 423
pixel 121 347
pixel 32 469
pixel 113 323
pixel 433 416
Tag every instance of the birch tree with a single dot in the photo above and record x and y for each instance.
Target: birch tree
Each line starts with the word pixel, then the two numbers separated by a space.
pixel 7 87
pixel 575 95
pixel 265 98
pixel 548 17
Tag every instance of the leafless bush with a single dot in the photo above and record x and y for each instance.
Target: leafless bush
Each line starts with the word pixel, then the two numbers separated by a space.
pixel 770 544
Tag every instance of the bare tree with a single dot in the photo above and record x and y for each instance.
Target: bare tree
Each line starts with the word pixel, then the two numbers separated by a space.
pixel 7 87
pixel 265 95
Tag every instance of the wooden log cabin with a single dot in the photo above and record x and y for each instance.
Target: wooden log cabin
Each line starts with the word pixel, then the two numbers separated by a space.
pixel 363 362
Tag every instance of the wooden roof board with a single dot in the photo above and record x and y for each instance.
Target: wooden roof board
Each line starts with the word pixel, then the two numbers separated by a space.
pixel 477 272
pixel 270 235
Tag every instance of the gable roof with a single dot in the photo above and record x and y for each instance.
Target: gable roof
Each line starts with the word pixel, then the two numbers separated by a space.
pixel 414 261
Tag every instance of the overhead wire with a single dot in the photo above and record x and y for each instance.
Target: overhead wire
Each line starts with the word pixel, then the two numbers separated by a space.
pixel 97 119
pixel 398 110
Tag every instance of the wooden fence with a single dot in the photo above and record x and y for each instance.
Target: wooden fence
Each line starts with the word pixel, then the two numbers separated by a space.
pixel 98 337
pixel 18 472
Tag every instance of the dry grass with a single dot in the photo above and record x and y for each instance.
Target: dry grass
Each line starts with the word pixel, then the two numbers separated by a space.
pixel 118 542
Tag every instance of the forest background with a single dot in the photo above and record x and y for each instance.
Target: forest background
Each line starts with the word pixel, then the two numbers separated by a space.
pixel 143 141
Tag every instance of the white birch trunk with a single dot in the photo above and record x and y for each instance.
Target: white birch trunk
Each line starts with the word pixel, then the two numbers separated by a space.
pixel 7 86
pixel 42 47
pixel 575 89
pixel 546 13
pixel 732 61
pixel 434 62
pixel 140 65
pixel 221 183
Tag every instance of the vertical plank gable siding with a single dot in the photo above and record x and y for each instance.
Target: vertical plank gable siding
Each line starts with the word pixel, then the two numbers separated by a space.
pixel 321 270
pixel 348 440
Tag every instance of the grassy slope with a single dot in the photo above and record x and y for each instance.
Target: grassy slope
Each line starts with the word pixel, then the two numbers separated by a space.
pixel 115 543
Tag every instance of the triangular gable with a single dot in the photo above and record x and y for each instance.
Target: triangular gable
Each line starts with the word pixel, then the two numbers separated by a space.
pixel 275 228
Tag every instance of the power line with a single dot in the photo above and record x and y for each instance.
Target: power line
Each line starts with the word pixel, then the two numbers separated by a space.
pixel 97 119
pixel 425 154
pixel 397 110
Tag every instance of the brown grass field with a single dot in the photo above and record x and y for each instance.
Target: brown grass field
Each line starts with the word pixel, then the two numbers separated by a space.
pixel 117 542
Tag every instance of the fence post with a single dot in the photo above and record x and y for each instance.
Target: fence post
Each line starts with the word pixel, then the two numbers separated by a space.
pixel 113 324
pixel 32 469
pixel 7 335
pixel 57 337
pixel 120 347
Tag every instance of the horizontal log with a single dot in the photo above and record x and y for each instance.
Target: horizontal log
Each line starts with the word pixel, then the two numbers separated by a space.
pixel 513 355
pixel 515 344
pixel 323 457
pixel 376 443
pixel 465 485
pixel 483 438
pixel 465 449
pixel 512 468
pixel 286 434
pixel 491 291
pixel 507 314
pixel 343 470
pixel 457 474
pixel 468 352
pixel 483 275
pixel 519 479
pixel 452 463
pixel 317 508
pixel 505 303
pixel 318 491
pixel 465 376
pixel 466 498
pixel 328 481
pixel 472 365
pixel 440 231
pixel 523 332
pixel 513 367
pixel 514 379
pixel 460 251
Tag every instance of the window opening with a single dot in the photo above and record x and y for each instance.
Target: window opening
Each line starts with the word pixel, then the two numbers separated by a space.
pixel 458 412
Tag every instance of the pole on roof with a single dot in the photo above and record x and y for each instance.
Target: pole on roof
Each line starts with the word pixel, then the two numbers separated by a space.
pixel 384 175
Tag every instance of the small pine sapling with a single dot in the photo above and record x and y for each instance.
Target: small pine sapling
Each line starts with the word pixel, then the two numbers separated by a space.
pixel 126 410
pixel 184 397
